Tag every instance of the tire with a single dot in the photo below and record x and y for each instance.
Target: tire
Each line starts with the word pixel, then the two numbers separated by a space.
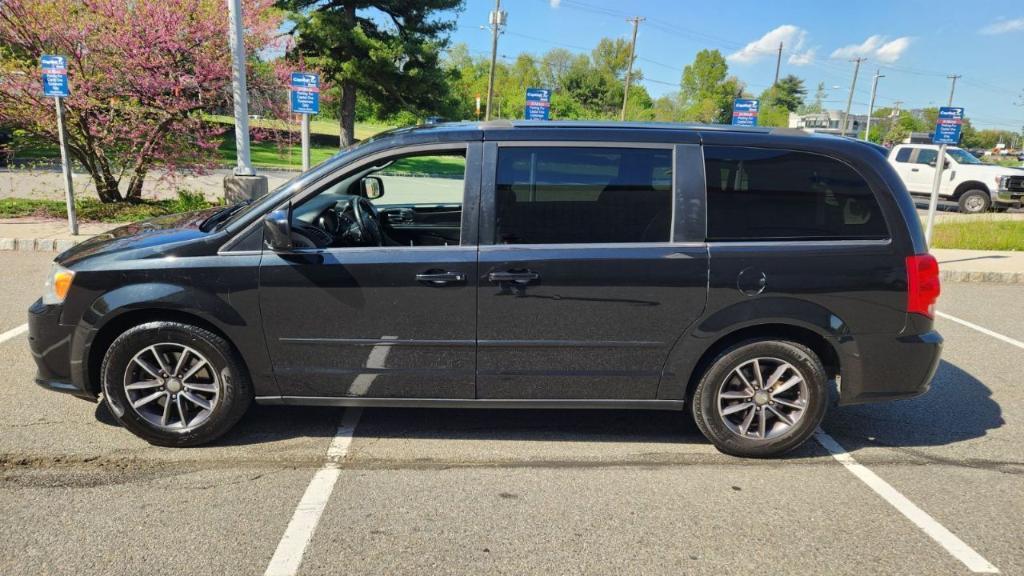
pixel 136 359
pixel 974 202
pixel 779 437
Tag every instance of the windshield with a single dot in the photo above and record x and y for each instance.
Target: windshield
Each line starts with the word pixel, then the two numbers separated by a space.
pixel 962 156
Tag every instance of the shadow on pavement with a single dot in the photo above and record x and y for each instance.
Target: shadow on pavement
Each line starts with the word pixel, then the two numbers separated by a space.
pixel 958 407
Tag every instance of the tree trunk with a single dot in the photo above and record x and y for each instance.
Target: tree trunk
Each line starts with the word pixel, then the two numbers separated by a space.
pixel 347 117
pixel 106 185
pixel 134 192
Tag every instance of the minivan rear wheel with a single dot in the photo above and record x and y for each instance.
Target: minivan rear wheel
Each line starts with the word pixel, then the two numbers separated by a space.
pixel 761 398
pixel 174 384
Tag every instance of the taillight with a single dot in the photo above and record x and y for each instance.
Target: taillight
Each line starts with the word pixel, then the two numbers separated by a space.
pixel 922 284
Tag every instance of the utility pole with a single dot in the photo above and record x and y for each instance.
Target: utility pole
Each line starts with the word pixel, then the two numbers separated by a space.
pixel 940 165
pixel 849 100
pixel 871 105
pixel 497 20
pixel 636 20
pixel 778 64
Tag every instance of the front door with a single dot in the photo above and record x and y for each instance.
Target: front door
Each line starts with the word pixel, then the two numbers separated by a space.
pixel 378 301
pixel 921 174
pixel 582 291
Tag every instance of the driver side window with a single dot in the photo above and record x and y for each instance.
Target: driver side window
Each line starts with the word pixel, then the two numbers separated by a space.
pixel 408 200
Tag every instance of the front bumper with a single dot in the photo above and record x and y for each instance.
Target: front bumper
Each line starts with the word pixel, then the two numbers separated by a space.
pixel 879 368
pixel 50 342
pixel 1012 197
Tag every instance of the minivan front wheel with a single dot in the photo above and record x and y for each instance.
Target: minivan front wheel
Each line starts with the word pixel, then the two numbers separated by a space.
pixel 761 398
pixel 174 384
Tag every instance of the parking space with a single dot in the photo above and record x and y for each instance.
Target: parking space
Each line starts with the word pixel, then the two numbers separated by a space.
pixel 517 492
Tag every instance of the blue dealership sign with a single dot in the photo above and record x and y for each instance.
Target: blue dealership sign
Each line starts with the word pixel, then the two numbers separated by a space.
pixel 744 111
pixel 55 76
pixel 948 125
pixel 538 104
pixel 305 93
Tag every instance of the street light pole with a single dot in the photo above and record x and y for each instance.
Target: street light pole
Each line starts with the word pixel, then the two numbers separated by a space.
pixel 871 105
pixel 636 20
pixel 497 20
pixel 849 100
pixel 239 90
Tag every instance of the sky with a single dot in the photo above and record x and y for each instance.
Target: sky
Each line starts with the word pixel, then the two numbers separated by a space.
pixel 914 44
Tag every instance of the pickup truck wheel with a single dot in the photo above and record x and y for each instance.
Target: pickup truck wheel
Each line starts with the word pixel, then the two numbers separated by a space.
pixel 974 202
pixel 761 398
pixel 174 384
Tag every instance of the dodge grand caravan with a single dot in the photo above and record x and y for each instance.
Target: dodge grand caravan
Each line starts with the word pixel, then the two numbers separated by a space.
pixel 747 275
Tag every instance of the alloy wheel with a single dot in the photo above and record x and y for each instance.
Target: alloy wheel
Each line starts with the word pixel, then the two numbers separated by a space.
pixel 762 398
pixel 172 386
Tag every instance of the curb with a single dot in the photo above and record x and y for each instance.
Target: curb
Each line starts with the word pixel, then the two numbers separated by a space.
pixel 36 244
pixel 982 277
pixel 55 245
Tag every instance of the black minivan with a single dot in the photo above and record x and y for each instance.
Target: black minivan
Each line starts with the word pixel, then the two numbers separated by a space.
pixel 748 274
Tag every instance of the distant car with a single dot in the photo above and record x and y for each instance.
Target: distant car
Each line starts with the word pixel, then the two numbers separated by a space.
pixel 433 120
pixel 1020 156
pixel 975 186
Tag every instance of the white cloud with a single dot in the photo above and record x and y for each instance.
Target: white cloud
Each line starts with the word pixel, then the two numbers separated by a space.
pixel 555 3
pixel 1003 26
pixel 891 51
pixel 875 47
pixel 792 38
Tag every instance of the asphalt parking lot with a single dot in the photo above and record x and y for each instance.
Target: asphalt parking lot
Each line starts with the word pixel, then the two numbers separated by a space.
pixel 523 492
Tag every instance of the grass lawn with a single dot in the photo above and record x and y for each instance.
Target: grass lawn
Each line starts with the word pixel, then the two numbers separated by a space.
pixel 980 235
pixel 325 127
pixel 92 210
pixel 270 155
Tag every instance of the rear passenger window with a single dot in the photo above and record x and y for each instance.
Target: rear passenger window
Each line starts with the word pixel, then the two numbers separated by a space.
pixel 926 156
pixel 904 154
pixel 554 195
pixel 761 194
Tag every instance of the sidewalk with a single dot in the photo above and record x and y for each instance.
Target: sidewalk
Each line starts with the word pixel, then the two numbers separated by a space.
pixel 955 265
pixel 980 266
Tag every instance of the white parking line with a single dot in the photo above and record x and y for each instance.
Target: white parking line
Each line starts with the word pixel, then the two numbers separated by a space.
pixel 13 333
pixel 955 546
pixel 288 556
pixel 981 329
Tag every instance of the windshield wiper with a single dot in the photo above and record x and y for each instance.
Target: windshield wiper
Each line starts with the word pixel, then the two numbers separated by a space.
pixel 222 215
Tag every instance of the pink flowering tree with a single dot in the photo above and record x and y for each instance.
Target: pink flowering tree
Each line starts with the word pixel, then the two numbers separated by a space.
pixel 140 72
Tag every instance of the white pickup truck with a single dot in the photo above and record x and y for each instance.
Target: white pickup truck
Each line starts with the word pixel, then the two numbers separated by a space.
pixel 976 187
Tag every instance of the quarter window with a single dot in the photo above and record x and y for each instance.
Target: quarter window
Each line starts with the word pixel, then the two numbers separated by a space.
pixel 554 195
pixel 762 194
pixel 926 156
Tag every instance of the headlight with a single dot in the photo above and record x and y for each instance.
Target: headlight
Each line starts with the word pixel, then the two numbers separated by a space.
pixel 57 285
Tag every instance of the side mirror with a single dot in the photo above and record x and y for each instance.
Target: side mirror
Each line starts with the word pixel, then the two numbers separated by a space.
pixel 373 187
pixel 277 230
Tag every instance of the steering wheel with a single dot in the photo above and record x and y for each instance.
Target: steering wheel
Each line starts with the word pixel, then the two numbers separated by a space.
pixel 367 220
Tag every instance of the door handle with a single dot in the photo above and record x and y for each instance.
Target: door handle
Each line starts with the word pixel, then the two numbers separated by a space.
pixel 523 277
pixel 914 170
pixel 440 278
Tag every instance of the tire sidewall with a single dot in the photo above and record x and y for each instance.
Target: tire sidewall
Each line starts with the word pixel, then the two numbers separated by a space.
pixel 705 401
pixel 216 350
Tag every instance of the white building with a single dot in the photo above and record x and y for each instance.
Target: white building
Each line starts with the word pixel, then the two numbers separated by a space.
pixel 827 122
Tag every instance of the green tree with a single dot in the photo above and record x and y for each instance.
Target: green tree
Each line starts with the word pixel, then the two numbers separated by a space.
pixel 707 90
pixel 818 104
pixel 789 93
pixel 388 50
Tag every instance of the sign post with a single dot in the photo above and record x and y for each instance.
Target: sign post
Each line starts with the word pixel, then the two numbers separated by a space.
pixel 55 84
pixel 744 111
pixel 538 104
pixel 947 131
pixel 305 97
